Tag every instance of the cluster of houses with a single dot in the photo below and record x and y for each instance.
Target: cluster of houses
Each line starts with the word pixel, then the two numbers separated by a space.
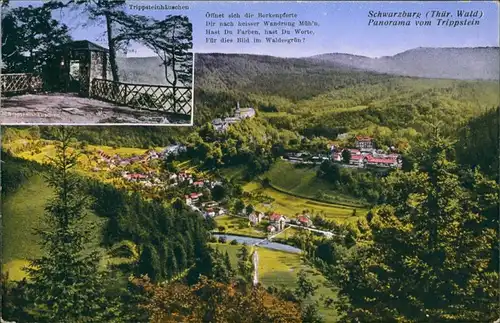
pixel 278 221
pixel 117 160
pixel 212 209
pixel 208 209
pixel 365 155
pixel 240 114
pixel 148 179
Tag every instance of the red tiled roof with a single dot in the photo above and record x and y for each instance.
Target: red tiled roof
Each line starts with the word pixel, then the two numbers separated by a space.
pixel 363 138
pixel 386 160
pixel 194 195
pixel 356 157
pixel 270 228
pixel 303 218
pixel 275 217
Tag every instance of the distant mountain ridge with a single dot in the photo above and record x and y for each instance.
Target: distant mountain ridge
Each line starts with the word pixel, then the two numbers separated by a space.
pixel 464 63
pixel 479 63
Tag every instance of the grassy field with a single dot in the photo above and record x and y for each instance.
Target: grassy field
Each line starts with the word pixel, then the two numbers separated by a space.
pixel 22 212
pixel 122 151
pixel 233 173
pixel 302 181
pixel 238 225
pixel 280 269
pixel 288 233
pixel 49 150
pixel 290 205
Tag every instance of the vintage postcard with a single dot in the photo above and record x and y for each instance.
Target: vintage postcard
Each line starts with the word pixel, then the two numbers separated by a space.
pixel 341 163
pixel 86 67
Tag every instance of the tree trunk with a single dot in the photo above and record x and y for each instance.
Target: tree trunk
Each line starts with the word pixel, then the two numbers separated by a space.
pixel 112 49
pixel 174 69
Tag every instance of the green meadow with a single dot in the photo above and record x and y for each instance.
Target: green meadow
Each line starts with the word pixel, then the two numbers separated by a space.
pixel 290 205
pixel 280 269
pixel 22 213
pixel 302 181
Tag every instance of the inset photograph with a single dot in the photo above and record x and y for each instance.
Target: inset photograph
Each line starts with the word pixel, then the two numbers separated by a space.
pixel 90 65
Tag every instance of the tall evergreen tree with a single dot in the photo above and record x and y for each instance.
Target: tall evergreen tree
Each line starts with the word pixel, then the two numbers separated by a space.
pixel 245 266
pixel 227 261
pixel 180 256
pixel 172 265
pixel 65 283
pixel 149 262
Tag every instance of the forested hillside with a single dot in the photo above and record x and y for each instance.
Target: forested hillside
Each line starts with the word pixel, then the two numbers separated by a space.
pixel 311 99
pixel 478 143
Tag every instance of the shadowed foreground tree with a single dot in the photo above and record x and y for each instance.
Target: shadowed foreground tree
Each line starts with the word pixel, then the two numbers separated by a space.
pixel 430 253
pixel 211 301
pixel 29 39
pixel 65 284
pixel 172 41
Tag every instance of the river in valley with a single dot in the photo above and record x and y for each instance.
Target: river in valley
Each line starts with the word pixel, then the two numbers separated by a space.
pixel 262 243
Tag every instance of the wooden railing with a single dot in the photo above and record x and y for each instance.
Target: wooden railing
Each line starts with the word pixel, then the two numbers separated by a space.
pixel 176 100
pixel 21 83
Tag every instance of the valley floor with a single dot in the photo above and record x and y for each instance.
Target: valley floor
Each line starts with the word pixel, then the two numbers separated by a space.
pixel 280 269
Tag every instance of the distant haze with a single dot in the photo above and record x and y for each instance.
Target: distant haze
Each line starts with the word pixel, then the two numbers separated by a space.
pixel 453 63
pixel 481 63
pixel 142 70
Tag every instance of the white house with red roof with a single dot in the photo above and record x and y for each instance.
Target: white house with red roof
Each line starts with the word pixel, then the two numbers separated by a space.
pixel 304 220
pixel 278 221
pixel 386 161
pixel 271 228
pixel 365 157
pixel 192 198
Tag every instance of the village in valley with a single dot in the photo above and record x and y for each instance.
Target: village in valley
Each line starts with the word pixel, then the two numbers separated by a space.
pixel 195 185
pixel 146 171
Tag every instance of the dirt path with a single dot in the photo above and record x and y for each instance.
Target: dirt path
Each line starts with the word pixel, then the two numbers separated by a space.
pixel 71 109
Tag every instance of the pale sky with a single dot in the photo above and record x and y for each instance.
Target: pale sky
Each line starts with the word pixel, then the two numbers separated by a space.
pixel 343 26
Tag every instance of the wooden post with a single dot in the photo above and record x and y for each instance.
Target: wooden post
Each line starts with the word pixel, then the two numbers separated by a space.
pixel 174 92
pixel 29 79
pixel 125 94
